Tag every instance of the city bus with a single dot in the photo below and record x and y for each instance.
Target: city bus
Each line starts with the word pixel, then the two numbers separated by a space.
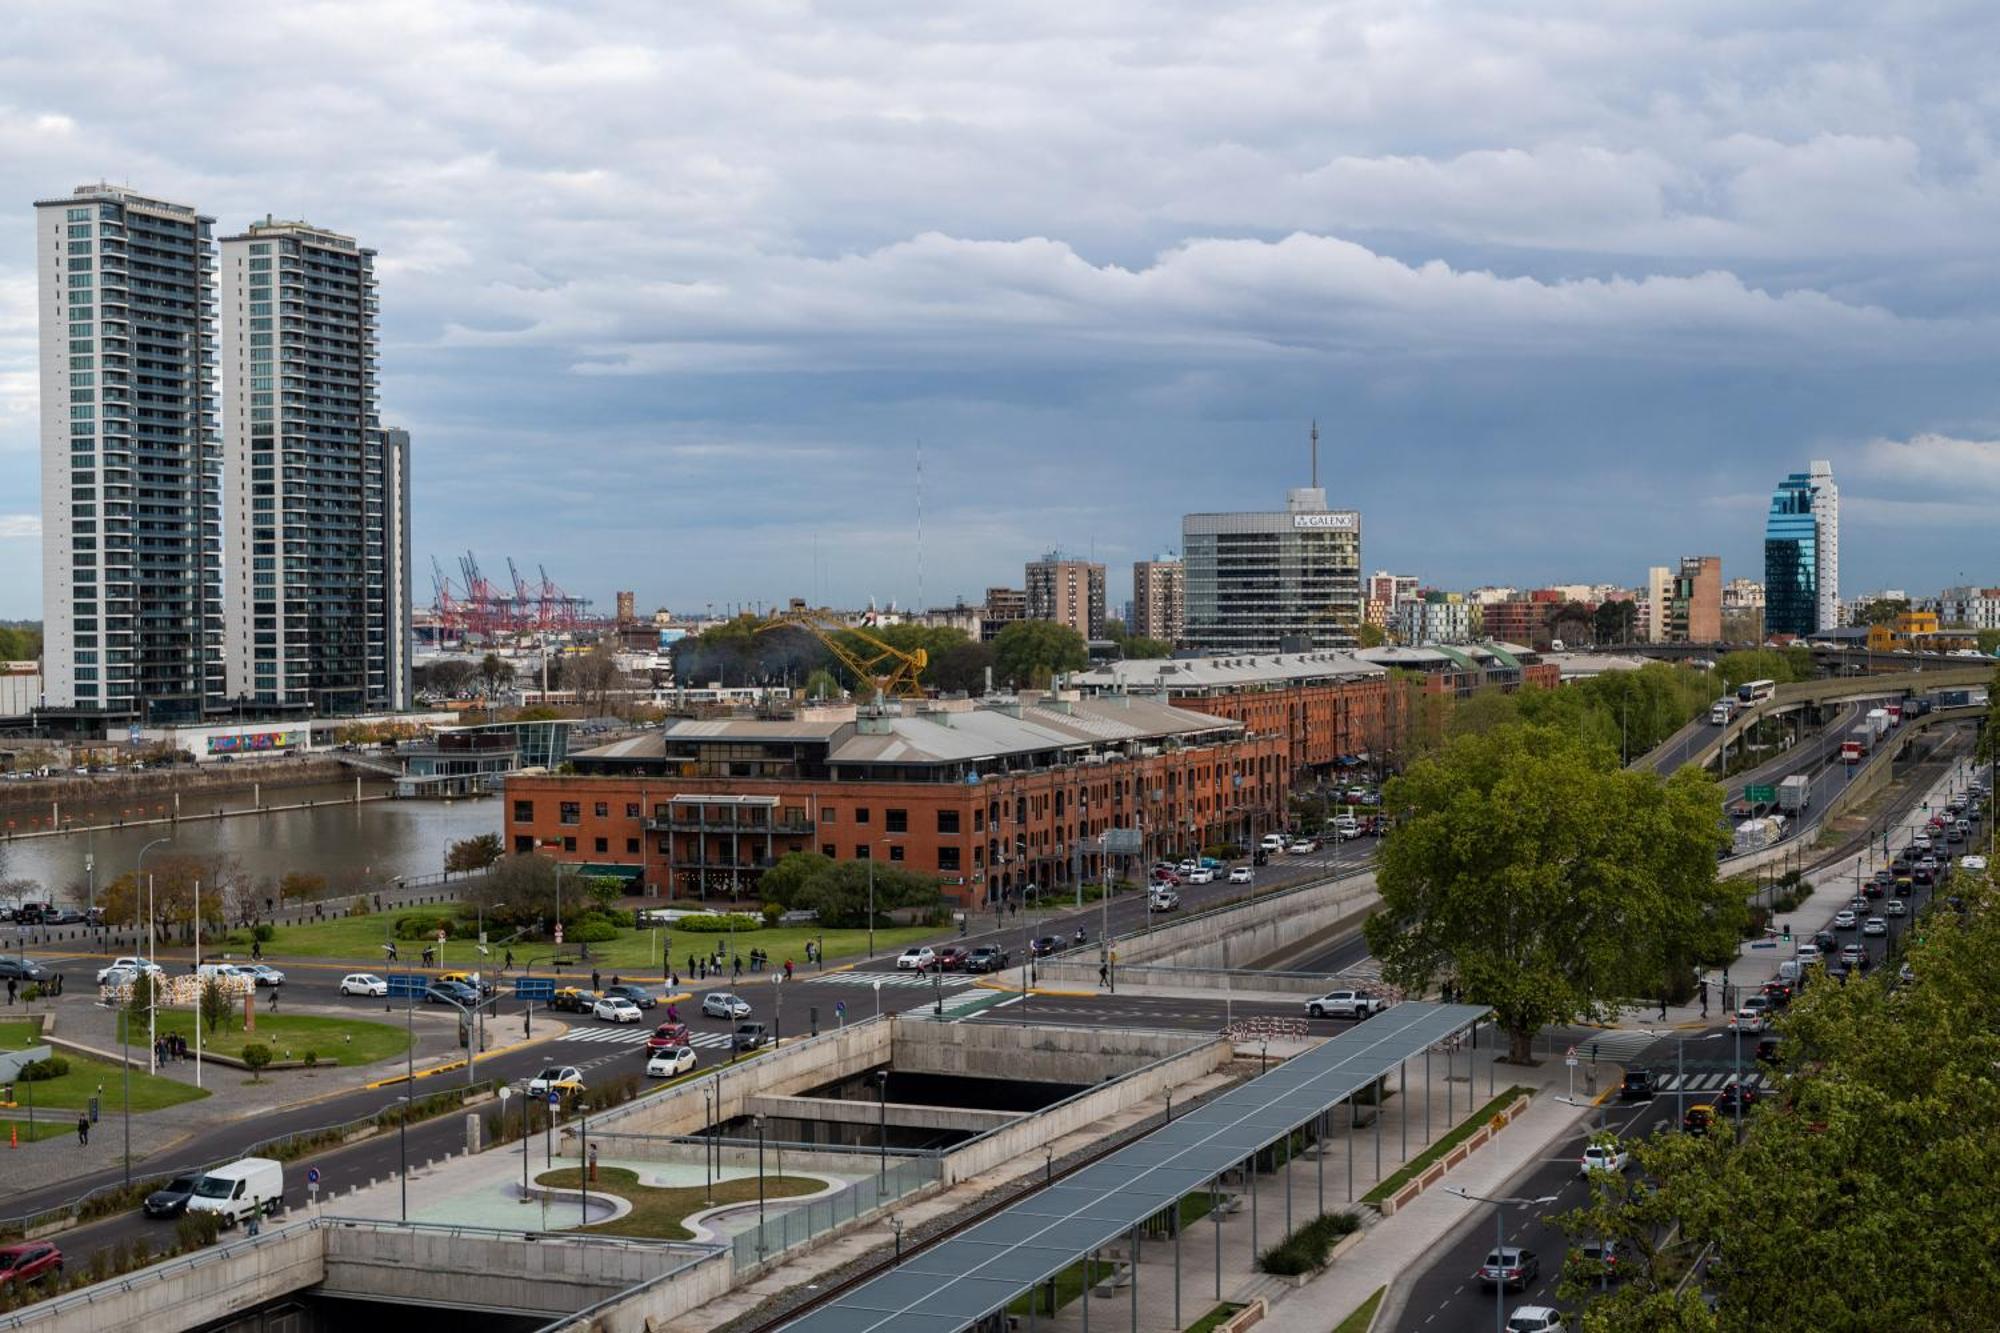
pixel 1755 691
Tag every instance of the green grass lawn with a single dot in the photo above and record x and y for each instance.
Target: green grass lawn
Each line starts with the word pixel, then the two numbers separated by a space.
pixel 296 1033
pixel 1208 1322
pixel 1069 1285
pixel 75 1089
pixel 658 1213
pixel 1417 1165
pixel 17 1033
pixel 634 951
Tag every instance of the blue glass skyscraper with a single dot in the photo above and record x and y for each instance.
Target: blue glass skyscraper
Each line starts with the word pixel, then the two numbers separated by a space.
pixel 1801 545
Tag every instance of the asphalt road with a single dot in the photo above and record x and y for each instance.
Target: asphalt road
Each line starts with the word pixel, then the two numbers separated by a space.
pixel 1446 1296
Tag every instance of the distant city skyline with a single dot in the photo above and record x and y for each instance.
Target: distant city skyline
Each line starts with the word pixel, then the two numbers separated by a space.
pixel 671 300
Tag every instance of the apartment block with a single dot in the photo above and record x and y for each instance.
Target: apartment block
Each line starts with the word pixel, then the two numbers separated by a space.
pixel 1067 591
pixel 1159 600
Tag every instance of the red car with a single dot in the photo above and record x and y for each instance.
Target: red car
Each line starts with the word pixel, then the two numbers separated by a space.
pixel 952 958
pixel 28 1261
pixel 667 1037
pixel 1161 876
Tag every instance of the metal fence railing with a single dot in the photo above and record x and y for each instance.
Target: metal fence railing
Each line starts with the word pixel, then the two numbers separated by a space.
pixel 781 1232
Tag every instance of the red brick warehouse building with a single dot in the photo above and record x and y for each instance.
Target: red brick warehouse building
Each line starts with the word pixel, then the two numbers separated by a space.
pixel 990 795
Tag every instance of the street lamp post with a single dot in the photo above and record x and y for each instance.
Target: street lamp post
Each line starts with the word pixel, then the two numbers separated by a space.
pixel 882 1137
pixel 1500 1242
pixel 757 1122
pixel 152 950
pixel 403 1151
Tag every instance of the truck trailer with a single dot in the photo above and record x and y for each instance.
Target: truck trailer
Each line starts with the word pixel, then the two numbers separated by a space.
pixel 1795 793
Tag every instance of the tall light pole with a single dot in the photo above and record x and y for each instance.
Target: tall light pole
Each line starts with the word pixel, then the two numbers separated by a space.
pixel 1500 1242
pixel 152 1024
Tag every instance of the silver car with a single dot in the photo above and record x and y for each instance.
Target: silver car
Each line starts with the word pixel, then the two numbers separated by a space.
pixel 723 1004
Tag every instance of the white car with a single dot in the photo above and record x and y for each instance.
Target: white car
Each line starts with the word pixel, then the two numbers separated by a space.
pixel 1201 875
pixel 1535 1319
pixel 1302 846
pixel 916 958
pixel 130 967
pixel 1844 920
pixel 1972 863
pixel 1875 925
pixel 1272 842
pixel 1604 1157
pixel 672 1061
pixel 1895 907
pixel 1808 953
pixel 1239 874
pixel 363 983
pixel 557 1078
pixel 1345 1004
pixel 615 1009
pixel 722 1004
pixel 1748 1019
pixel 263 974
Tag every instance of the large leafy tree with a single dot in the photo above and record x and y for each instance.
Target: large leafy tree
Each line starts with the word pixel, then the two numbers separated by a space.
pixel 1028 653
pixel 1862 1194
pixel 1615 621
pixel 474 853
pixel 1550 883
pixel 838 890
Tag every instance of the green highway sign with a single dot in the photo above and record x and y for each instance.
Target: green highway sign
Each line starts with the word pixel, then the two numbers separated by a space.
pixel 1754 794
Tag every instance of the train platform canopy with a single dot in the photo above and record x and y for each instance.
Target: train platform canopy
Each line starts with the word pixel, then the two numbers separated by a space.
pixel 962 1280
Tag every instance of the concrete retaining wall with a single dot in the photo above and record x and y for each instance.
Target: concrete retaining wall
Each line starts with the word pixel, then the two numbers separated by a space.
pixel 1085 1109
pixel 657 1306
pixel 189 1293
pixel 1031 1052
pixel 1238 937
pixel 544 1275
pixel 1431 1175
pixel 870 1113
pixel 829 1057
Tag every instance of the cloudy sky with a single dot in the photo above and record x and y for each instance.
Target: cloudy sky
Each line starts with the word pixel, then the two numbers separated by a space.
pixel 675 296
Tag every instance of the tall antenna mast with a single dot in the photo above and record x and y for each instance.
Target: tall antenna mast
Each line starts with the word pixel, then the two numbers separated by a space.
pixel 919 608
pixel 1315 440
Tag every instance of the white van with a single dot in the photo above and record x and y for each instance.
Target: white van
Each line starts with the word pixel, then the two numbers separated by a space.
pixel 1273 842
pixel 252 1185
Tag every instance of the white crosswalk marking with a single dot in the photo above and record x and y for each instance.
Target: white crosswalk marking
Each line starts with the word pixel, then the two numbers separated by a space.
pixel 627 1036
pixel 948 980
pixel 1708 1082
pixel 1617 1047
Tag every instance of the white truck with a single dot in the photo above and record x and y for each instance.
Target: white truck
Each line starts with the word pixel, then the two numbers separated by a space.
pixel 240 1190
pixel 1754 835
pixel 1724 709
pixel 1795 793
pixel 1877 723
pixel 1346 1004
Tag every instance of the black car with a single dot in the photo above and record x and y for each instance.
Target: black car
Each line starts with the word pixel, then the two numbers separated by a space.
pixel 442 991
pixel 1767 1050
pixel 1639 1086
pixel 986 958
pixel 1828 942
pixel 13 967
pixel 749 1036
pixel 1733 1092
pixel 638 995
pixel 1044 945
pixel 171 1199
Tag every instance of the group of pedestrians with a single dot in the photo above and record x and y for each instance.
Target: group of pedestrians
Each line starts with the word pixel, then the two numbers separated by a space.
pixel 172 1046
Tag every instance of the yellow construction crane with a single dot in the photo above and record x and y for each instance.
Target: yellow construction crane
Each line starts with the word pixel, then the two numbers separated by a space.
pixel 891 670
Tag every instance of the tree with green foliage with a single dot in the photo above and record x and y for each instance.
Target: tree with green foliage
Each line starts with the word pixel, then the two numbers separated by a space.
pixel 821 685
pixel 1987 748
pixel 1615 621
pixel 1141 649
pixel 1784 665
pixel 258 1056
pixel 961 669
pixel 1881 611
pixel 215 1004
pixel 1869 1167
pixel 1370 636
pixel 20 642
pixel 474 853
pixel 495 671
pixel 1549 882
pixel 1989 641
pixel 1029 653
pixel 838 890
pixel 303 886
pixel 520 890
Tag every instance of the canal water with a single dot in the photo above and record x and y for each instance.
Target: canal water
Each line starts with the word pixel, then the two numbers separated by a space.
pixel 374 841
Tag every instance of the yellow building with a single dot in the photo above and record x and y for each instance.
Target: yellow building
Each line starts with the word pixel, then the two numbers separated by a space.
pixel 1916 631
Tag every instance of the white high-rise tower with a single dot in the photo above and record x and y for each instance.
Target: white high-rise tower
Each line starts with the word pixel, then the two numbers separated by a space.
pixel 131 466
pixel 316 498
pixel 1826 519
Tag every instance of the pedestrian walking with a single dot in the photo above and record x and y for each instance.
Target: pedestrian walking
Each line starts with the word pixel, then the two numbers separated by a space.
pixel 82 1130
pixel 509 962
pixel 1663 1008
pixel 673 980
pixel 256 952
pixel 691 971
pixel 274 1000
pixel 788 969
pixel 1104 974
pixel 10 990
pixel 593 979
pixel 614 978
pixel 1704 998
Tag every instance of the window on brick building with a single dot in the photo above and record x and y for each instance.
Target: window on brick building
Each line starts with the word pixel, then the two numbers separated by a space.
pixel 524 812
pixel 602 809
pixel 631 846
pixel 829 851
pixel 862 851
pixel 979 821
pixel 631 810
pixel 524 843
pixel 861 814
pixel 569 844
pixel 572 812
pixel 603 845
pixel 895 851
pixel 947 821
pixel 896 821
pixel 947 858
pixel 829 815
